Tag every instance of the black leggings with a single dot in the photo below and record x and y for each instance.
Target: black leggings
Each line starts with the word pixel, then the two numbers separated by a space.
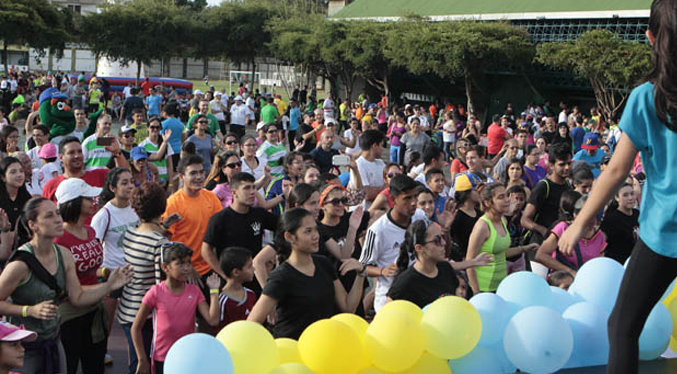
pixel 76 337
pixel 647 277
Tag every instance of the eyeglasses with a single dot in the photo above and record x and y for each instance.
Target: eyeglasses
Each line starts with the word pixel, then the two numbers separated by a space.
pixel 438 240
pixel 231 142
pixel 271 131
pixel 331 124
pixel 234 165
pixel 250 145
pixel 339 200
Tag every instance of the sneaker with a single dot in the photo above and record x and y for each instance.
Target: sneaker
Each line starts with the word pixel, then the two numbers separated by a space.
pixel 108 360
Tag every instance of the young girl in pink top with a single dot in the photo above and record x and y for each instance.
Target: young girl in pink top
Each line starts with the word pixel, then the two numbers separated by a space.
pixel 173 304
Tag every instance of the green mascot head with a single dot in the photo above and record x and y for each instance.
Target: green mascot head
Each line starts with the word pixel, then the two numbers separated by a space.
pixel 57 115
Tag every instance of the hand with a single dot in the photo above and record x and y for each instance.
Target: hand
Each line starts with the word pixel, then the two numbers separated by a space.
pixel 389 271
pixel 272 317
pixel 567 242
pixel 483 259
pixel 350 264
pixel 356 217
pixel 300 145
pixel 143 367
pixel 171 219
pixel 448 215
pixel 287 187
pixel 533 247
pixel 43 310
pixel 213 281
pixel 113 148
pixel 166 135
pixel 266 170
pixel 120 276
pixel 4 220
pixel 195 279
pixel 353 165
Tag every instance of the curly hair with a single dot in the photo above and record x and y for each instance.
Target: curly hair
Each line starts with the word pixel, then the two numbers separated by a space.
pixel 149 201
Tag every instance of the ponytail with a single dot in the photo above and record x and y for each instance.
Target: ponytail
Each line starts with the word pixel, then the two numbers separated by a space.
pixel 289 222
pixel 415 235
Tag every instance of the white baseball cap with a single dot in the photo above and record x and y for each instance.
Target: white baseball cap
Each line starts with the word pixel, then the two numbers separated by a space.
pixel 238 98
pixel 198 92
pixel 72 188
pixel 260 125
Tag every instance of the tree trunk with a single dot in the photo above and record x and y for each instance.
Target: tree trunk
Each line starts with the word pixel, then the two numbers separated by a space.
pixel 468 92
pixel 138 72
pixel 4 56
pixel 184 73
pixel 251 86
pixel 205 67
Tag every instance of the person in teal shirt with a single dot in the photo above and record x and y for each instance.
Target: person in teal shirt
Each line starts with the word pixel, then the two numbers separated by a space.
pixel 590 152
pixel 649 127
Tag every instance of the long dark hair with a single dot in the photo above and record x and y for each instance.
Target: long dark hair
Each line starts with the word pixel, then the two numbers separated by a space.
pixel 663 26
pixel 567 205
pixel 300 194
pixel 112 180
pixel 415 235
pixel 29 213
pixel 4 165
pixel 4 133
pixel 289 222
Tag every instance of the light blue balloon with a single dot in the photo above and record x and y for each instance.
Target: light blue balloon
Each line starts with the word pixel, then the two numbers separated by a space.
pixel 481 360
pixel 502 357
pixel 655 336
pixel 198 353
pixel 588 324
pixel 561 299
pixel 494 312
pixel 538 340
pixel 524 289
pixel 598 282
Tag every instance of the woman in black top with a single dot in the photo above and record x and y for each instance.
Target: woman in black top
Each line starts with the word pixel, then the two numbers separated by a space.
pixel 431 276
pixel 464 222
pixel 621 225
pixel 563 136
pixel 13 197
pixel 304 288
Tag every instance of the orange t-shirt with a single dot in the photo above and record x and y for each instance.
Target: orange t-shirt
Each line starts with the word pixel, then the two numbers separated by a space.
pixel 319 133
pixel 195 214
pixel 359 112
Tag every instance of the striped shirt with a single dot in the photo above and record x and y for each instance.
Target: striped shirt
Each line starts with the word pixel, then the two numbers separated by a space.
pixel 272 155
pixel 142 251
pixel 96 156
pixel 161 164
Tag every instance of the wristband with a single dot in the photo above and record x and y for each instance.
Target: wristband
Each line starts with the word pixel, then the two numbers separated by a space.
pixel 213 291
pixel 103 271
pixel 24 311
pixel 380 272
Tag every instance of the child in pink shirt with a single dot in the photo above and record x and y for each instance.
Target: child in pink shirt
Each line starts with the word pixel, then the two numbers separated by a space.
pixel 173 304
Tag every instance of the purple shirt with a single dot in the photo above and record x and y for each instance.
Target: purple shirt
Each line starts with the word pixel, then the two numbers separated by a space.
pixel 222 191
pixel 395 139
pixel 533 176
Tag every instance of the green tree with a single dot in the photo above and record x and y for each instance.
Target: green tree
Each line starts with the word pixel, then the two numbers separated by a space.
pixel 366 42
pixel 465 49
pixel 610 64
pixel 137 31
pixel 36 23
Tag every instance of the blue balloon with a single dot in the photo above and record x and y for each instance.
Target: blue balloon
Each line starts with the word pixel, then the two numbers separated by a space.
pixel 655 336
pixel 538 340
pixel 561 299
pixel 494 313
pixel 591 337
pixel 198 353
pixel 524 289
pixel 481 360
pixel 598 282
pixel 502 357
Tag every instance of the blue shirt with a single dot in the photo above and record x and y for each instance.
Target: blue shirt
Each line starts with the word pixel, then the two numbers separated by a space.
pixel 294 116
pixel 595 160
pixel 154 102
pixel 577 134
pixel 176 126
pixel 657 146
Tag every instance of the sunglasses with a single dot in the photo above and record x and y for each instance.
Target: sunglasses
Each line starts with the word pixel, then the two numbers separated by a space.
pixel 438 241
pixel 234 165
pixel 231 142
pixel 127 135
pixel 390 175
pixel 202 121
pixel 339 200
pixel 271 131
pixel 155 127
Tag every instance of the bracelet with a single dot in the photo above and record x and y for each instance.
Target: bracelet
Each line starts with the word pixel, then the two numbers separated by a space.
pixel 213 291
pixel 103 271
pixel 380 272
pixel 24 311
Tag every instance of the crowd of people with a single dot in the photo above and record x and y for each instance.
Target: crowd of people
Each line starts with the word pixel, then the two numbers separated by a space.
pixel 322 207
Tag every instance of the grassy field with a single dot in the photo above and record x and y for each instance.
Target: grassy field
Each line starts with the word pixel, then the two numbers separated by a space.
pixel 199 84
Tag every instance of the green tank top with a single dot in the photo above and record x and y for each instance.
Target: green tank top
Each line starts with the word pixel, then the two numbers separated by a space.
pixel 488 277
pixel 33 291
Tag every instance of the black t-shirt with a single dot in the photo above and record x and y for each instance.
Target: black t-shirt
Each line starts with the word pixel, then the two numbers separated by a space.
pixel 132 103
pixel 310 142
pixel 229 228
pixel 13 208
pixel 621 233
pixel 323 159
pixel 422 290
pixel 548 136
pixel 111 162
pixel 301 300
pixel 545 197
pixel 460 233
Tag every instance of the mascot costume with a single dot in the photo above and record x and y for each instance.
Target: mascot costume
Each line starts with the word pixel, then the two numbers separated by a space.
pixel 56 114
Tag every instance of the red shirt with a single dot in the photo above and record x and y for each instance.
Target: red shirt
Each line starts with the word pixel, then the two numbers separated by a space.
pixel 496 136
pixel 145 87
pixel 88 254
pixel 234 310
pixel 319 133
pixel 457 166
pixel 94 178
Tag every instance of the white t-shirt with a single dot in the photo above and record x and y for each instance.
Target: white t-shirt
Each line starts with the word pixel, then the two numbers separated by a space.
pixel 45 174
pixel 328 106
pixel 449 134
pixel 110 224
pixel 562 117
pixel 239 114
pixel 417 170
pixel 251 104
pixel 127 91
pixel 381 248
pixel 356 149
pixel 256 172
pixel 216 110
pixel 33 186
pixel 371 174
pixel 35 159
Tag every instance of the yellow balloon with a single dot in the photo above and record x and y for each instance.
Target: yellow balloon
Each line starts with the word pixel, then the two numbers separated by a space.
pixel 328 346
pixel 359 326
pixel 288 350
pixel 671 296
pixel 292 368
pixel 251 347
pixel 452 327
pixel 673 344
pixel 372 370
pixel 403 306
pixel 429 364
pixel 394 341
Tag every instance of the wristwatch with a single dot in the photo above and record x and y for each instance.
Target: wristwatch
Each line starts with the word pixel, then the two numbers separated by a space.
pixel 3 230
